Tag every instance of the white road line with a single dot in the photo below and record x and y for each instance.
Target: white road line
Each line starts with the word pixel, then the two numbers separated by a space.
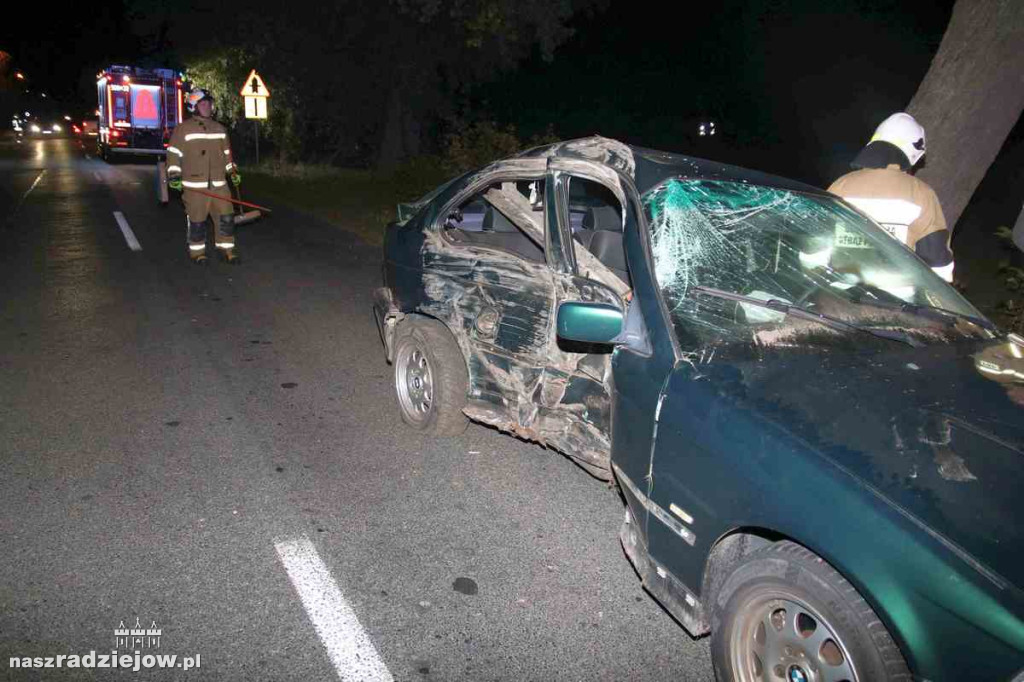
pixel 126 230
pixel 36 182
pixel 348 646
pixel 24 196
pixel 96 174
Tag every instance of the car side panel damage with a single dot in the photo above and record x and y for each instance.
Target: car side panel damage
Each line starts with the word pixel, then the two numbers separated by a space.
pixel 501 308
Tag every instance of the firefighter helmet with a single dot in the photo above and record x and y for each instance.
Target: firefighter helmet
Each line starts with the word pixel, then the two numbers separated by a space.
pixel 196 96
pixel 904 132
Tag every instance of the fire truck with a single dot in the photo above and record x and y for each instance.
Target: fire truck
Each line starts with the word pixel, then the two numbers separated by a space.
pixel 138 110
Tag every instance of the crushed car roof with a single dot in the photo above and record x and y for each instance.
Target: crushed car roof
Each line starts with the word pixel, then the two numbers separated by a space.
pixel 649 167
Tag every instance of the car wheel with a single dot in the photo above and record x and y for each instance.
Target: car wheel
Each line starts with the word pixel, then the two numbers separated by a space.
pixel 431 381
pixel 786 615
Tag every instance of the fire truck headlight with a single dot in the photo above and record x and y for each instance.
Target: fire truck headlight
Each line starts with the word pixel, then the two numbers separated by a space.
pixel 56 128
pixel 35 129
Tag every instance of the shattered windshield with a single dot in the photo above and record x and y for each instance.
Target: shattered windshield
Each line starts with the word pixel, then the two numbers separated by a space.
pixel 800 250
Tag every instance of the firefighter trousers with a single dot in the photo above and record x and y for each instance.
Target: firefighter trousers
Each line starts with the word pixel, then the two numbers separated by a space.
pixel 199 208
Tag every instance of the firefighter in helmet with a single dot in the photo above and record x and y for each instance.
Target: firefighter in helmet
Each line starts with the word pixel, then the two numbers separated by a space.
pixel 199 158
pixel 883 187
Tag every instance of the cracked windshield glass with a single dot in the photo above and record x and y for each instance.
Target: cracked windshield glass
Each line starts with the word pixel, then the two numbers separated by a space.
pixel 794 249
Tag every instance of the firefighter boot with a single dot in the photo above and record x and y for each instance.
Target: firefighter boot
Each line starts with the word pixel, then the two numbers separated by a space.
pixel 197 242
pixel 226 240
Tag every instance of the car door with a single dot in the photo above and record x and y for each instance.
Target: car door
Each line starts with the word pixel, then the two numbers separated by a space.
pixel 576 408
pixel 487 274
pixel 642 378
pixel 631 376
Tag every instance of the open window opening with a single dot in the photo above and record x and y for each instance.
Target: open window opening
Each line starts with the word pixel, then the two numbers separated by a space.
pixel 595 218
pixel 506 216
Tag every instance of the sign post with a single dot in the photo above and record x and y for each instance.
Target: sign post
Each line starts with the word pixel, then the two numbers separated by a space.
pixel 255 94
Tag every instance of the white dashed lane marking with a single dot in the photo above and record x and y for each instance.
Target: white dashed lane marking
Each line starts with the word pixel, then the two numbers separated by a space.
pixel 348 645
pixel 27 192
pixel 126 230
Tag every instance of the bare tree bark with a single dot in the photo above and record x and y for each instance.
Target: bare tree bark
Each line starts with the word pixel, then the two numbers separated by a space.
pixel 400 138
pixel 971 97
pixel 390 151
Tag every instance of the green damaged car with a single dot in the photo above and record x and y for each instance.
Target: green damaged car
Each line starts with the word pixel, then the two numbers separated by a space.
pixel 819 442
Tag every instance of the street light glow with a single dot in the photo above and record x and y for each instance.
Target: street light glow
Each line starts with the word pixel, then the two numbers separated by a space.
pixel 19 75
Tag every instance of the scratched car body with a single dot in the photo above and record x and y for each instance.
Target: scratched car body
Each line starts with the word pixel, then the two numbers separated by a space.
pixel 820 444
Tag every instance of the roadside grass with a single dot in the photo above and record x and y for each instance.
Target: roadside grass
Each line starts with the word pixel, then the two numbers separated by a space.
pixel 362 202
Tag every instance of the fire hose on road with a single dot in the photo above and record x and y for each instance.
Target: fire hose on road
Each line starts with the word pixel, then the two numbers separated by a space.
pixel 241 218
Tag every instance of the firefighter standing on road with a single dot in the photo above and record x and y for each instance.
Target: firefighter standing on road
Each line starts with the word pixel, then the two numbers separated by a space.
pixel 199 158
pixel 883 188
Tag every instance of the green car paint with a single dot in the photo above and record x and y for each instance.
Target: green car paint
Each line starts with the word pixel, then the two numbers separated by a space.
pixel 899 464
pixel 589 322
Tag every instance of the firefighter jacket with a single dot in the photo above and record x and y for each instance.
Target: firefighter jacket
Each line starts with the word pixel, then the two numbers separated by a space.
pixel 200 154
pixel 905 207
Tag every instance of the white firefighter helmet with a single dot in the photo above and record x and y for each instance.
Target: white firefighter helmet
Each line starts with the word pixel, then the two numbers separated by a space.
pixel 903 131
pixel 195 96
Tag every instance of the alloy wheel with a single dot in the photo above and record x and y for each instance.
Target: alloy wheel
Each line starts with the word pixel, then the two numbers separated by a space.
pixel 415 384
pixel 782 639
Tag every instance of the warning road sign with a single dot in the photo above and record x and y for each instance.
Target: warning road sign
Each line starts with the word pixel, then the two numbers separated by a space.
pixel 255 93
pixel 254 86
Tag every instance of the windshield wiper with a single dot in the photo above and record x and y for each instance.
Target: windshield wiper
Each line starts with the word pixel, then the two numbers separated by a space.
pixel 805 314
pixel 880 298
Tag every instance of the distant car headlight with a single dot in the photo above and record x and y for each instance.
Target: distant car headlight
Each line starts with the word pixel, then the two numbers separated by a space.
pixel 56 128
pixel 35 129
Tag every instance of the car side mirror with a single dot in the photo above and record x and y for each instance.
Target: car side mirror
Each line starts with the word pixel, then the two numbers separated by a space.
pixel 589 322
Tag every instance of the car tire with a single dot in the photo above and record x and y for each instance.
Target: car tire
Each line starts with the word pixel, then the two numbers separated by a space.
pixel 786 614
pixel 431 380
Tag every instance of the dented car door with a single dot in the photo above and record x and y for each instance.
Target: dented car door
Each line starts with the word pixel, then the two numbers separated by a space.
pixel 495 289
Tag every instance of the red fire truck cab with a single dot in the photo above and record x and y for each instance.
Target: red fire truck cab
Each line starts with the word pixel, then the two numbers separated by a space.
pixel 138 110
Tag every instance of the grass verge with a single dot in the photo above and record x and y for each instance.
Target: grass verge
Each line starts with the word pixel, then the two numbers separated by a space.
pixel 362 202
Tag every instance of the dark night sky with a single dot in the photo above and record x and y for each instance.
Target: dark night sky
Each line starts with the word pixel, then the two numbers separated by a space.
pixel 795 86
pixel 60 45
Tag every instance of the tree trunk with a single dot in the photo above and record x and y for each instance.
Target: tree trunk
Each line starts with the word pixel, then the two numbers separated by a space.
pixel 971 97
pixel 392 140
pixel 400 140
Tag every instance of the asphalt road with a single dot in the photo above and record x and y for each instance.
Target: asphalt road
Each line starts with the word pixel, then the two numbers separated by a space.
pixel 168 431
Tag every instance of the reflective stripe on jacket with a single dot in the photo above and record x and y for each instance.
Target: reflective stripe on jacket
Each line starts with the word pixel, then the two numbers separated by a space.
pixel 200 154
pixel 905 207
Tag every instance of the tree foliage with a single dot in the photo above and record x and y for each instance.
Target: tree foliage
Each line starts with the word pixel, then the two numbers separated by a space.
pixel 354 81
pixel 476 144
